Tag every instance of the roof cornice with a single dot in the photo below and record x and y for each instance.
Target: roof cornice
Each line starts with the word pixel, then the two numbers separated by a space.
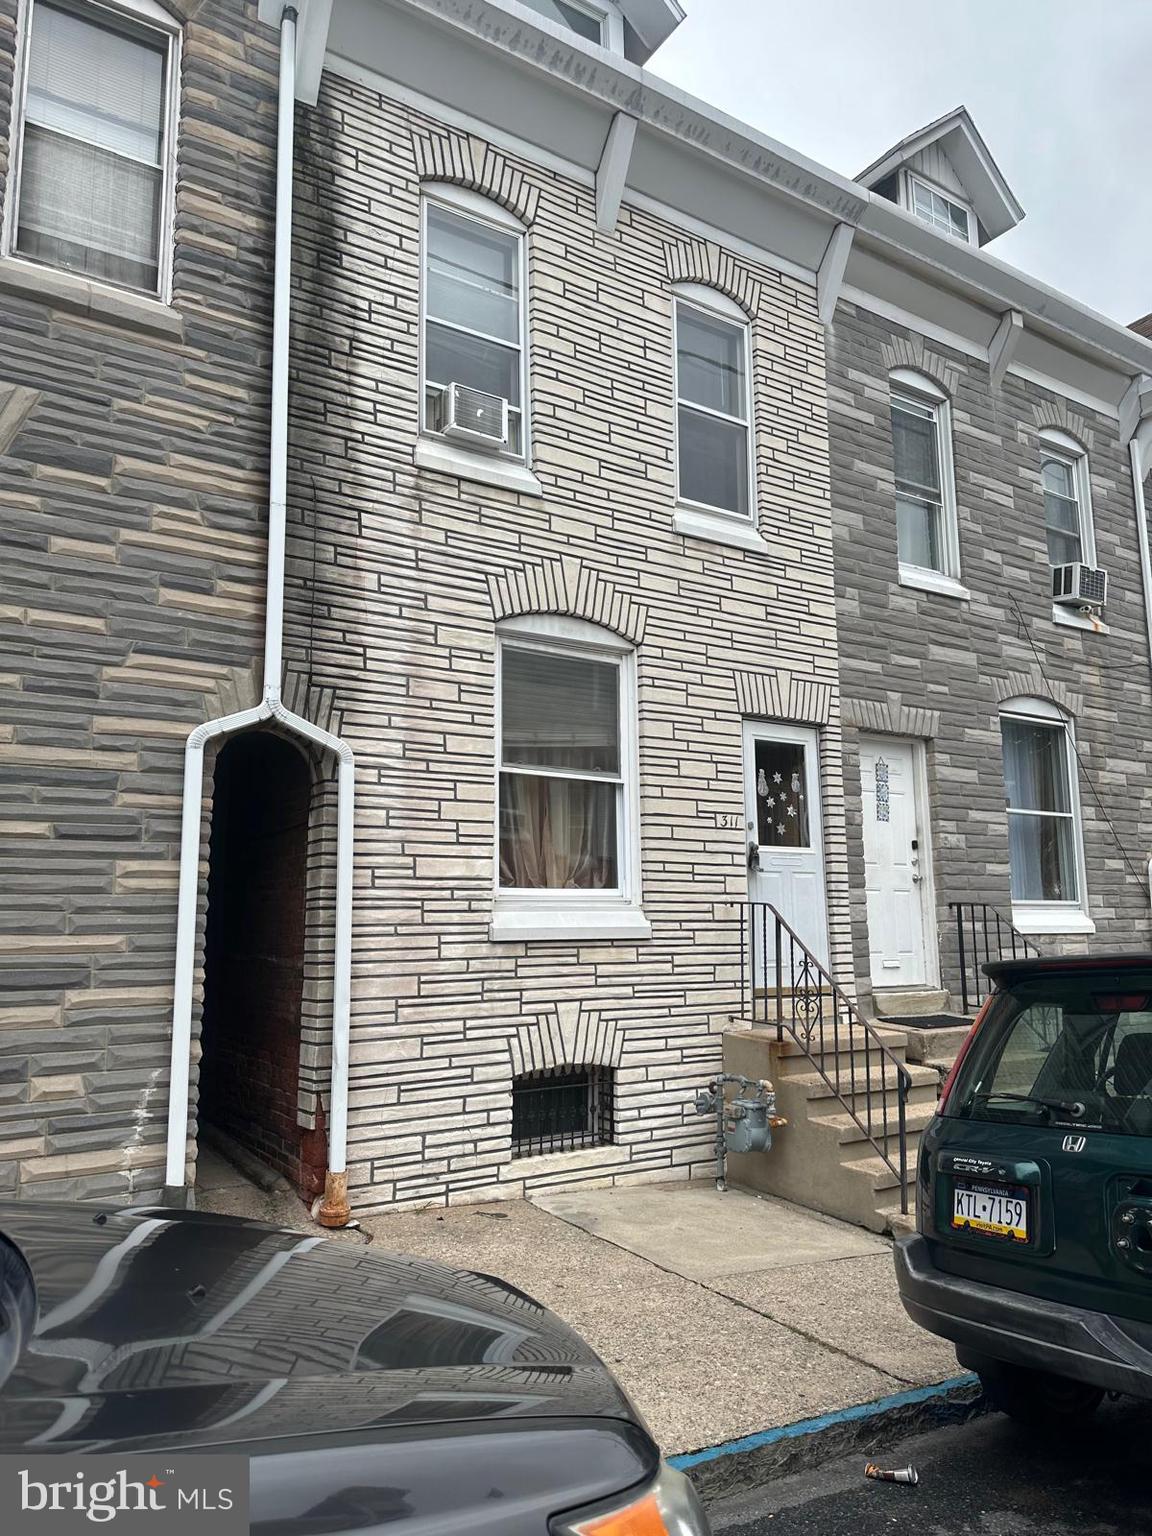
pixel 702 133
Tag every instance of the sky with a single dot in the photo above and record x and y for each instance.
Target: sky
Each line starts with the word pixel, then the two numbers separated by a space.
pixel 1057 88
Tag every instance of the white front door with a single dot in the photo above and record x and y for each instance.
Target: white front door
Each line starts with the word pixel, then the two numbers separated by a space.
pixel 895 864
pixel 784 834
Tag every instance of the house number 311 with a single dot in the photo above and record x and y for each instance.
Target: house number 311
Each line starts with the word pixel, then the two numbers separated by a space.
pixel 728 819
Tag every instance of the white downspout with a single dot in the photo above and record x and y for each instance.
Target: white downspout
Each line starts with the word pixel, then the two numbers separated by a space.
pixel 333 1209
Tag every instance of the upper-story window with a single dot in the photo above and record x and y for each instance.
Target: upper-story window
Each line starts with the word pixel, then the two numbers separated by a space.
pixel 95 158
pixel 938 209
pixel 927 537
pixel 714 444
pixel 1067 500
pixel 473 355
pixel 598 23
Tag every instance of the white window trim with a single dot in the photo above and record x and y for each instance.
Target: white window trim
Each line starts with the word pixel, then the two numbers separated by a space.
pixel 707 521
pixel 1055 917
pixel 575 915
pixel 909 180
pixel 462 200
pixel 145 13
pixel 610 19
pixel 920 390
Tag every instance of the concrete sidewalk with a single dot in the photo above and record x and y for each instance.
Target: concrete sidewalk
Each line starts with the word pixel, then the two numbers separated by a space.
pixel 722 1314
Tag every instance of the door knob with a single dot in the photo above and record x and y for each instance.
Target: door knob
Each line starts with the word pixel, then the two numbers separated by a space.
pixel 753 856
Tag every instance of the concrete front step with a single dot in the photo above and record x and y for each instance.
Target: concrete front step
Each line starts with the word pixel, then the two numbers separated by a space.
pixel 933 1044
pixel 814 1086
pixel 917 1118
pixel 908 1000
pixel 896 1222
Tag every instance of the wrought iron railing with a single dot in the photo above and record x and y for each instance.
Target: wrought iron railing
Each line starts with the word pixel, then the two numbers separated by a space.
pixel 982 935
pixel 782 983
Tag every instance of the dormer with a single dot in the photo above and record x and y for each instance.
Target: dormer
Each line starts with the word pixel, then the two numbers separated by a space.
pixel 945 176
pixel 634 28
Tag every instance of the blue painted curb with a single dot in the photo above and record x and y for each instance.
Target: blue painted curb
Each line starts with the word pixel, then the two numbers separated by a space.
pixel 825 1421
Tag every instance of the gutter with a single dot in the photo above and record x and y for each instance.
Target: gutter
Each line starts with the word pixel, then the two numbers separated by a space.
pixel 1135 453
pixel 332 1210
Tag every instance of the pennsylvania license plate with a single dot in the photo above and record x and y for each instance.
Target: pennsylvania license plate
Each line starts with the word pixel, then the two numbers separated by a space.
pixel 1001 1210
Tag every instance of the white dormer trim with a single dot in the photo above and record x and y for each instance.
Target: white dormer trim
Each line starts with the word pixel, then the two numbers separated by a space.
pixel 989 195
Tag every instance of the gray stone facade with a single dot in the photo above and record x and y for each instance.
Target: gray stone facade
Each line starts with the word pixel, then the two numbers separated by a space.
pixel 926 666
pixel 133 443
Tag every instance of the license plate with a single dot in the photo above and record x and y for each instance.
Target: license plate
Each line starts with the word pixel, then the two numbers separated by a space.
pixel 1001 1210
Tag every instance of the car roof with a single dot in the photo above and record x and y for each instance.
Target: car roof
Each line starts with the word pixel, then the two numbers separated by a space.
pixel 1009 971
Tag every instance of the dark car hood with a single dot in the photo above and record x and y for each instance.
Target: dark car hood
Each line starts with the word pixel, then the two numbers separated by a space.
pixel 155 1327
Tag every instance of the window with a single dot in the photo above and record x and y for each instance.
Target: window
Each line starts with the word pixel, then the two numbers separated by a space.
pixel 942 212
pixel 473 299
pixel 584 20
pixel 1044 843
pixel 566 845
pixel 713 406
pixel 926 534
pixel 1067 505
pixel 561 1109
pixel 94 172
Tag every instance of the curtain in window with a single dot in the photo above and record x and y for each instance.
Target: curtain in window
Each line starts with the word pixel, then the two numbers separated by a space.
pixel 91 173
pixel 560 713
pixel 1040 822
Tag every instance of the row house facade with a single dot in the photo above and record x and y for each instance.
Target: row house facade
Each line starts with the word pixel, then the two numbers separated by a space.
pixel 650 530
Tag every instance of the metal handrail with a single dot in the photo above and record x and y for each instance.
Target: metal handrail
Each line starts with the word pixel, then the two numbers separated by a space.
pixel 1008 943
pixel 819 1011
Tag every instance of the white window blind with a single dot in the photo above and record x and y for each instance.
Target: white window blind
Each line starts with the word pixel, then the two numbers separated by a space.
pixel 91 172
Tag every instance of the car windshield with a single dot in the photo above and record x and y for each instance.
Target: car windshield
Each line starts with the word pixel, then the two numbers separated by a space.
pixel 1067 1050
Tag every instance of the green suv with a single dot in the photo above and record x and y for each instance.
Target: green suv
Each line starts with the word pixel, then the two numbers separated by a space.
pixel 1034 1191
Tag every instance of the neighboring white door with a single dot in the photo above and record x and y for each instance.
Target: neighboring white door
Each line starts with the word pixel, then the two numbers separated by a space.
pixel 785 837
pixel 895 864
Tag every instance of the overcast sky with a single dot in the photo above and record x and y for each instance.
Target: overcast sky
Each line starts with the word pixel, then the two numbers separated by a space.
pixel 1058 88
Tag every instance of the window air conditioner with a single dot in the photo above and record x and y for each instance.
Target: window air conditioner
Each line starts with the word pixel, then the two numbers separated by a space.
pixel 476 417
pixel 1079 586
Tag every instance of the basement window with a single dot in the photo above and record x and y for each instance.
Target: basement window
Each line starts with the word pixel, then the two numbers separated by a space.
pixel 561 1109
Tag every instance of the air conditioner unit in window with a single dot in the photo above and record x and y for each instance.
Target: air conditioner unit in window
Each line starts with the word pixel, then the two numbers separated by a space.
pixel 475 417
pixel 1079 586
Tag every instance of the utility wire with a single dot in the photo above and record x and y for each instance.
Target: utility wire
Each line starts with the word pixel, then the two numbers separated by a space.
pixel 1071 739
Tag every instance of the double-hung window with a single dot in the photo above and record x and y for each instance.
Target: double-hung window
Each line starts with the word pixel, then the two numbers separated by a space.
pixel 566 772
pixel 473 303
pixel 1044 838
pixel 942 212
pixel 94 167
pixel 926 533
pixel 1067 503
pixel 714 442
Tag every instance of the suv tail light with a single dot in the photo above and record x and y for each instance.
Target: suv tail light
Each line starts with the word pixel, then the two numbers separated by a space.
pixel 969 1039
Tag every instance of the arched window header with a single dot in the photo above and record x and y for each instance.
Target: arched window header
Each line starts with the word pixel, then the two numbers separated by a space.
pixel 1062 442
pixel 560 627
pixel 917 383
pixel 1033 708
pixel 478 204
pixel 704 296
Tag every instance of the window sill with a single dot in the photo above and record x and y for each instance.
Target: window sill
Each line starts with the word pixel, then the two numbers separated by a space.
pixel 114 306
pixel 541 1165
pixel 1056 920
pixel 449 459
pixel 694 523
pixel 570 923
pixel 933 581
pixel 1070 619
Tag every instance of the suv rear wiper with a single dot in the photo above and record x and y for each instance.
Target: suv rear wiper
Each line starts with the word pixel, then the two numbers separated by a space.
pixel 1075 1109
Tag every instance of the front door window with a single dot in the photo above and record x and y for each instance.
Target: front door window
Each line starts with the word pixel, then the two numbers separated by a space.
pixel 781 795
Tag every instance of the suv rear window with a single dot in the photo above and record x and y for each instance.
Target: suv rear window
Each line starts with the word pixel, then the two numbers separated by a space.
pixel 1069 1050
